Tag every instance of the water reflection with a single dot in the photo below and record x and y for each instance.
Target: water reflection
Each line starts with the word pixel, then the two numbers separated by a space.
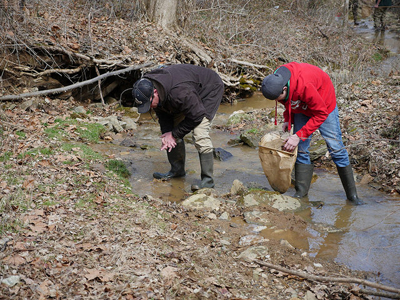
pixel 379 37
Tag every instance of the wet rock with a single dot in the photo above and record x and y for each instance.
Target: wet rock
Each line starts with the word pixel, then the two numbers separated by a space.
pixel 222 154
pixel 128 123
pixel 212 216
pixel 128 142
pixel 286 203
pixel 250 139
pixel 111 123
pixel 224 216
pixel 321 227
pixel 257 228
pixel 274 199
pixel 251 239
pixel 202 201
pixel 238 188
pixel 238 116
pixel 253 253
pixel 287 244
pixel 257 217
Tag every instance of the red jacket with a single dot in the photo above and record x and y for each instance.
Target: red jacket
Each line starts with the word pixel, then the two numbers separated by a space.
pixel 311 93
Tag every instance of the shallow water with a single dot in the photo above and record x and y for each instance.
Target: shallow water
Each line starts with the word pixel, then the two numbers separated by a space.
pixel 364 238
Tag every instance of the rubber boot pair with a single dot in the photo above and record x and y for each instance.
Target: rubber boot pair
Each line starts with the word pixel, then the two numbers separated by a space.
pixel 207 170
pixel 176 159
pixel 303 177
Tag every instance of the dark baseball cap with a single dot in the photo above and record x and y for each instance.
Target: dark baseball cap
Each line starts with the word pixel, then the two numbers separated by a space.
pixel 272 85
pixel 142 92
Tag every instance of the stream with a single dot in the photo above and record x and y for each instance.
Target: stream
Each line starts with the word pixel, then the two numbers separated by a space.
pixel 367 236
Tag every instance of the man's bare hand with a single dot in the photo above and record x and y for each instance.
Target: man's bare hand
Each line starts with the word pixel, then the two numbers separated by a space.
pixel 291 143
pixel 168 142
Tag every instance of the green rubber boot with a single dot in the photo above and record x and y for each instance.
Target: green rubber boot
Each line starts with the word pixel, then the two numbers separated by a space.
pixel 207 170
pixel 347 178
pixel 176 158
pixel 302 175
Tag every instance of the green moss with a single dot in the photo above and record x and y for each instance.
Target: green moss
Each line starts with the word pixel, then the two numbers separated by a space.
pixel 118 167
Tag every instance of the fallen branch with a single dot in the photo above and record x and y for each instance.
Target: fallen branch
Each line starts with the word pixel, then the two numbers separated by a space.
pixel 51 71
pixel 73 86
pixel 379 294
pixel 245 63
pixel 329 279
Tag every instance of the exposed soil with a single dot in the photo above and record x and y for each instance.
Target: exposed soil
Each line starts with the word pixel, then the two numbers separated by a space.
pixel 73 229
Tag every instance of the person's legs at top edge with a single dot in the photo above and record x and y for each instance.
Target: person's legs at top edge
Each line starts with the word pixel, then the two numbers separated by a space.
pixel 330 131
pixel 303 168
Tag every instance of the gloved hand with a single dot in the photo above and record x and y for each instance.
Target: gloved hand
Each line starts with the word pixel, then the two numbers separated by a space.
pixel 285 126
pixel 168 141
pixel 291 143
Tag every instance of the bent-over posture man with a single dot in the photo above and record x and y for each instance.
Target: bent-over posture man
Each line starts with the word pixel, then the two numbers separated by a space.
pixel 309 98
pixel 185 98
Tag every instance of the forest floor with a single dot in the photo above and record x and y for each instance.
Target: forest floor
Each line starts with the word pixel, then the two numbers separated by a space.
pixel 72 228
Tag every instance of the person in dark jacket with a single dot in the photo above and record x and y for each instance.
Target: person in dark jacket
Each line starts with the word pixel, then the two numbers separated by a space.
pixel 380 9
pixel 185 98
pixel 309 98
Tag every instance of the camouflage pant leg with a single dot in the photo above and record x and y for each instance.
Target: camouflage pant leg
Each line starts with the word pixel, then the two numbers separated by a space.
pixel 353 5
pixel 379 16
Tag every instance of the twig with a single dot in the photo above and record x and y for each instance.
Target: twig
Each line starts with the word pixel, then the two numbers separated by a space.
pixel 329 279
pixel 73 86
pixel 99 84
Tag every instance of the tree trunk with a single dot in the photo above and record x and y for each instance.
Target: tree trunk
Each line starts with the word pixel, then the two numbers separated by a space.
pixel 162 12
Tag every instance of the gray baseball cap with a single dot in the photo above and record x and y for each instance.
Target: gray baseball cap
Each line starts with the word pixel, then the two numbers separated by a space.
pixel 272 85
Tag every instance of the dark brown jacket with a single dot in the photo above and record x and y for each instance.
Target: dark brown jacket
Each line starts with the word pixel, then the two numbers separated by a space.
pixel 193 91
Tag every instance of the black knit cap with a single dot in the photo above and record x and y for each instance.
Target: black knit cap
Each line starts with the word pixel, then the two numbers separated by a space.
pixel 142 92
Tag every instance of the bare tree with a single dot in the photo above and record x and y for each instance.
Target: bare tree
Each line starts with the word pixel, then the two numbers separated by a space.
pixel 162 12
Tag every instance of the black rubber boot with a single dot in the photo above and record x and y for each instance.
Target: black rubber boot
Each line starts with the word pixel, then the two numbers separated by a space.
pixel 302 175
pixel 347 178
pixel 207 170
pixel 176 158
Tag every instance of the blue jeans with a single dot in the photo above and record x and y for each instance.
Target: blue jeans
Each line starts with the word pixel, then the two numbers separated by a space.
pixel 330 131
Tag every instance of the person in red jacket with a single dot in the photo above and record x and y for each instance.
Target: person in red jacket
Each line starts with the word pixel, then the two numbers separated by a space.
pixel 185 98
pixel 309 98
